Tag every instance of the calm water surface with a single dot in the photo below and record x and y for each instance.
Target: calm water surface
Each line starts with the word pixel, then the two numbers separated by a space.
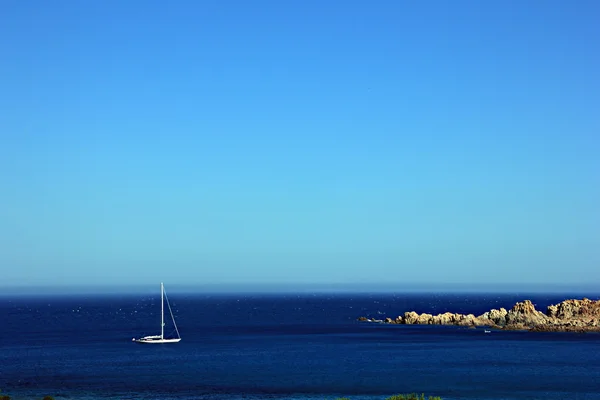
pixel 284 347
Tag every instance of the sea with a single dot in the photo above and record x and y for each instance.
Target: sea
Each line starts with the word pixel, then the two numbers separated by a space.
pixel 284 346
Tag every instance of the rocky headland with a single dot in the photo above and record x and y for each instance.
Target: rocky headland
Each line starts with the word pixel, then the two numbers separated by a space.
pixel 567 316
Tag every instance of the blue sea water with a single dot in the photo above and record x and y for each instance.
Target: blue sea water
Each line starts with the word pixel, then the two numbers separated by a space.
pixel 292 346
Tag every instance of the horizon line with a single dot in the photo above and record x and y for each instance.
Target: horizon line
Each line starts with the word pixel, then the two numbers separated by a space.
pixel 300 288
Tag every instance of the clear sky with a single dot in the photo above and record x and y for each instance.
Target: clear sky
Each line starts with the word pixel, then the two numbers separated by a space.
pixel 246 142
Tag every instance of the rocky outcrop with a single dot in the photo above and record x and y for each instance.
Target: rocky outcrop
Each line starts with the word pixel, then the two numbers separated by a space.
pixel 567 316
pixel 525 314
pixel 498 317
pixel 570 309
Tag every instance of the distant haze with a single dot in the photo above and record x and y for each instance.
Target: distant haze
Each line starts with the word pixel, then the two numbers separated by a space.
pixel 524 290
pixel 273 144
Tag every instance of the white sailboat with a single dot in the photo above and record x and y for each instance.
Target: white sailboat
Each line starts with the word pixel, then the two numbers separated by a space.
pixel 161 338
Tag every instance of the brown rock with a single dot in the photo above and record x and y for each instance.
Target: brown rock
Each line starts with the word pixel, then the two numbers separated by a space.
pixel 497 317
pixel 447 318
pixel 424 319
pixel 524 313
pixel 569 309
pixel 468 320
pixel 568 316
pixel 410 317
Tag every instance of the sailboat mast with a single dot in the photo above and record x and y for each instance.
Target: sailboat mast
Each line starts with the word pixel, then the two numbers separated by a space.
pixel 162 311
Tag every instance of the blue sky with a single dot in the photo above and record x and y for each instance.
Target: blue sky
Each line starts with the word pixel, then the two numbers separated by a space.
pixel 299 142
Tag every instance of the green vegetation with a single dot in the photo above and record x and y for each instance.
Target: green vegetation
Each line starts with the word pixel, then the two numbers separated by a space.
pixel 7 397
pixel 410 396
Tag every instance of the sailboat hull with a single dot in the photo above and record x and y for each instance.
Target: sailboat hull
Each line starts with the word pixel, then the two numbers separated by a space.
pixel 160 339
pixel 157 341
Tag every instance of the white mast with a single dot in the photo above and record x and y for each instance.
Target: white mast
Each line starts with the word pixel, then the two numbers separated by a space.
pixel 161 338
pixel 162 311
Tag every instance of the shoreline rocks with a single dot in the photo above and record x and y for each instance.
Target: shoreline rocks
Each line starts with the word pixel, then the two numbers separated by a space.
pixel 571 315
